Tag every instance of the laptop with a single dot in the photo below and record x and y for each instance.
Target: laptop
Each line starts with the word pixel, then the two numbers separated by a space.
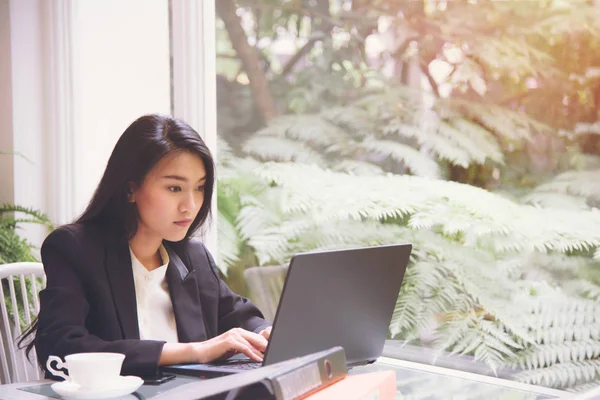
pixel 330 298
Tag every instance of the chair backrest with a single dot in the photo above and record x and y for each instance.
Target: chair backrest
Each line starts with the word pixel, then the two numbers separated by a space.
pixel 265 285
pixel 20 284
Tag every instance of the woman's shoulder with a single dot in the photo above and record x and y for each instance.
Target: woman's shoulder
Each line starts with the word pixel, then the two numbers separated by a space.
pixel 76 234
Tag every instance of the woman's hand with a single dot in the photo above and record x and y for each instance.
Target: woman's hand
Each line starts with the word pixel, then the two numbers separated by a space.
pixel 266 333
pixel 236 340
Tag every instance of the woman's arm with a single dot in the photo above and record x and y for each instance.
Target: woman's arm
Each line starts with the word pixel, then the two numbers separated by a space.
pixel 234 310
pixel 64 309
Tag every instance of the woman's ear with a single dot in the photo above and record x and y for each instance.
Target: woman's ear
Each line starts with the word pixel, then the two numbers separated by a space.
pixel 131 189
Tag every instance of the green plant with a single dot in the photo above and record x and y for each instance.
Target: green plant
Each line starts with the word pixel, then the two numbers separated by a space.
pixel 397 130
pixel 476 254
pixel 507 274
pixel 14 248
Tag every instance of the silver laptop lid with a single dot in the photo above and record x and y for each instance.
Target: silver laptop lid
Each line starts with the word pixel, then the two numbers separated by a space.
pixel 338 298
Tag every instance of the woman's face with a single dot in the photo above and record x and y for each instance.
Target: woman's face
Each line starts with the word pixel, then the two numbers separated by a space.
pixel 170 196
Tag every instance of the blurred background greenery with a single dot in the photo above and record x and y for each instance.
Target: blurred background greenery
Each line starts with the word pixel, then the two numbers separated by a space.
pixel 468 128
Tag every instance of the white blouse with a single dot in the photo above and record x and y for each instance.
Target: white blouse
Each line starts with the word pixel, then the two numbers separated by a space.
pixel 156 319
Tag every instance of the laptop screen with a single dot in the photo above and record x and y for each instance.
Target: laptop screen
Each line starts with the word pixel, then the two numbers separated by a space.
pixel 338 298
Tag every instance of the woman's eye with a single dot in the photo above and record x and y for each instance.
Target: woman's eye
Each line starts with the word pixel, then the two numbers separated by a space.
pixel 200 188
pixel 174 188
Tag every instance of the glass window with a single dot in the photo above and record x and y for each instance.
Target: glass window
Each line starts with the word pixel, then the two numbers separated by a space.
pixel 467 128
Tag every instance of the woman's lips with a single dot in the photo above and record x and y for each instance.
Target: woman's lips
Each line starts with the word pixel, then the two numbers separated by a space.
pixel 183 223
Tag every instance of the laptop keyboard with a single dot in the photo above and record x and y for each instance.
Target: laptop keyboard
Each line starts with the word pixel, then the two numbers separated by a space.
pixel 238 362
pixel 242 365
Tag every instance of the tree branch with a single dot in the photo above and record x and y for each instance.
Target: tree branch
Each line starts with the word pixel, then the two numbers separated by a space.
pixel 250 59
pixel 287 68
pixel 257 14
pixel 432 82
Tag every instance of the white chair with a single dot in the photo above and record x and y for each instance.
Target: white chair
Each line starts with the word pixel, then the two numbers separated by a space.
pixel 14 365
pixel 265 285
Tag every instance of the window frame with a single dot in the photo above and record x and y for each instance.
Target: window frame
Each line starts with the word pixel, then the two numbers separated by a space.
pixel 193 69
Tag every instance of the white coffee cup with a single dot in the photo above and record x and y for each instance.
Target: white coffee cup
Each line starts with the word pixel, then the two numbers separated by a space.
pixel 90 371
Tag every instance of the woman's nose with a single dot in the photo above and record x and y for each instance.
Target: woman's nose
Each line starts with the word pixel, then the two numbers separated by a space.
pixel 188 203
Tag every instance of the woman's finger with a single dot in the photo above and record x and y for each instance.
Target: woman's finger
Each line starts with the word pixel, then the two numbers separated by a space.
pixel 266 333
pixel 256 340
pixel 245 347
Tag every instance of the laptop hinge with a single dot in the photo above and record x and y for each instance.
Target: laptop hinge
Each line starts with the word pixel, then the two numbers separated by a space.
pixel 359 363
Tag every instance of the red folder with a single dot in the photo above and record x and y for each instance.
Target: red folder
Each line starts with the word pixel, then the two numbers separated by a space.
pixel 374 385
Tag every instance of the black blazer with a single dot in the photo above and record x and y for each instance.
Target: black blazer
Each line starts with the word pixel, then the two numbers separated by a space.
pixel 89 302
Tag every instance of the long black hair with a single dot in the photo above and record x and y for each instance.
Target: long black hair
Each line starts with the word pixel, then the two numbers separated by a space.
pixel 143 144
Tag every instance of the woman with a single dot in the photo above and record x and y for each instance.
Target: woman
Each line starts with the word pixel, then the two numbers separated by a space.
pixel 126 277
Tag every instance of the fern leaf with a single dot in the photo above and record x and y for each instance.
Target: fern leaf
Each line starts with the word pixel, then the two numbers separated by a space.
pixel 483 140
pixel 358 168
pixel 555 200
pixel 271 148
pixel 36 216
pixel 562 375
pixel 550 354
pixel 509 54
pixel 576 183
pixel 427 292
pixel 588 290
pixel 463 141
pixel 584 387
pixel 456 328
pixel 562 311
pixel 417 162
pixel 400 127
pixel 331 196
pixel 442 146
pixel 355 121
pixel 496 331
pixel 561 334
pixel 311 129
pixel 225 153
pixel 406 311
pixel 509 125
pixel 229 243
pixel 469 342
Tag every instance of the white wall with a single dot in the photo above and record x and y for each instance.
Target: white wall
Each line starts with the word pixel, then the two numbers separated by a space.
pixel 122 68
pixel 28 113
pixel 74 75
pixel 6 141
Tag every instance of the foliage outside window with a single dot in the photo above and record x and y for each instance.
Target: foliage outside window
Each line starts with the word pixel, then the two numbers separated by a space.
pixel 468 128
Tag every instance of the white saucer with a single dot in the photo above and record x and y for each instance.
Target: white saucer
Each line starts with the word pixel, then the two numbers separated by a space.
pixel 120 387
